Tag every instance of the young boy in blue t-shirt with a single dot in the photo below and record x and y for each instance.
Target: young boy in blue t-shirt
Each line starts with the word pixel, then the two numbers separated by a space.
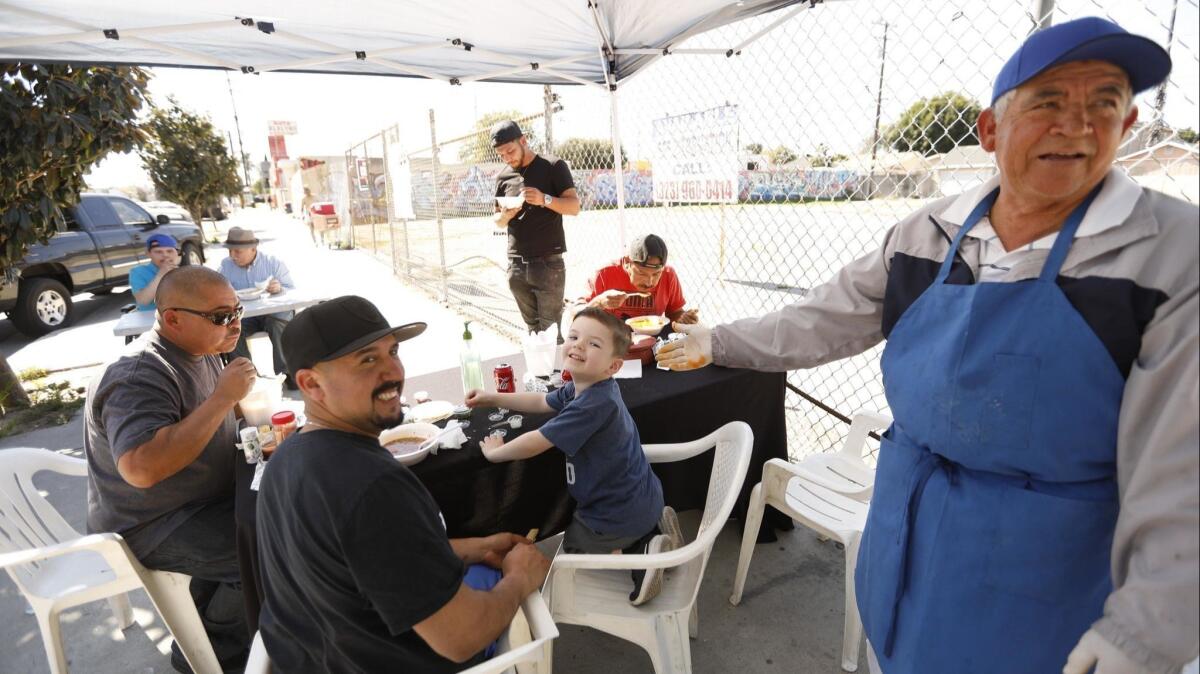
pixel 618 499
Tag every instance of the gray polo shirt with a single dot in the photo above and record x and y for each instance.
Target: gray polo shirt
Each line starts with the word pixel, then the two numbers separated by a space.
pixel 153 385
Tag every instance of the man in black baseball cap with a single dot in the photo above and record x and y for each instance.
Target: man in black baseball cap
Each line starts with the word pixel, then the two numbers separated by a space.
pixel 536 240
pixel 356 565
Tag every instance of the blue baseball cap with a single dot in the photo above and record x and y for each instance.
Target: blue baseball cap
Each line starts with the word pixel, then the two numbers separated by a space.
pixel 161 241
pixel 1087 39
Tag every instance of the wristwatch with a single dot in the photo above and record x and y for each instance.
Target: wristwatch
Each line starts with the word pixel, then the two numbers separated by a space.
pixel 546 199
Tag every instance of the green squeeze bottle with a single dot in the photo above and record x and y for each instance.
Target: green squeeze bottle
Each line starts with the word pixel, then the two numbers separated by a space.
pixel 472 368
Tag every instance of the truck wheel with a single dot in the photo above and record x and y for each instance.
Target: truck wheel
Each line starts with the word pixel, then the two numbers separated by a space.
pixel 43 305
pixel 190 255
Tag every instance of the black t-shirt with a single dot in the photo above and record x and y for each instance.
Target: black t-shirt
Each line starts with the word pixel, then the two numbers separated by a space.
pixel 353 553
pixel 536 230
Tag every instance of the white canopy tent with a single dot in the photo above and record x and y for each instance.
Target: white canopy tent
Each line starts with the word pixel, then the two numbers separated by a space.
pixel 598 43
pixel 595 43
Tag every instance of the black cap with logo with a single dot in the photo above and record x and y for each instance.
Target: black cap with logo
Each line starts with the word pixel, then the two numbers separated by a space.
pixel 505 132
pixel 335 328
pixel 645 247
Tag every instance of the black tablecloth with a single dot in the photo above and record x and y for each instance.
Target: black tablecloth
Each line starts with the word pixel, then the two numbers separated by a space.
pixel 478 497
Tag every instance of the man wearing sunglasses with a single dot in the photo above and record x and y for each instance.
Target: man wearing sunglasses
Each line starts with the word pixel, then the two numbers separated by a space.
pixel 159 434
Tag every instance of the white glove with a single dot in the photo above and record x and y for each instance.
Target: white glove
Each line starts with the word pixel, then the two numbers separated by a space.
pixel 1094 649
pixel 692 352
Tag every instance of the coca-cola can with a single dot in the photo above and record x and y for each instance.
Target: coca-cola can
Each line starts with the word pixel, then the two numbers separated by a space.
pixel 504 378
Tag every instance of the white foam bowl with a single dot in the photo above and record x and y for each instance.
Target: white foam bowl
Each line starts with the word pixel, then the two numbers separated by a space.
pixel 416 430
pixel 510 202
pixel 647 325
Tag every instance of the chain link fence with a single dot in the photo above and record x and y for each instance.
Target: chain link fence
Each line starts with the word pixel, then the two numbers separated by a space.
pixel 765 171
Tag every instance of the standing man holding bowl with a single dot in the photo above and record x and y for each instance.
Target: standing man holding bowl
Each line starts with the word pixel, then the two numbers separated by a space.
pixel 537 275
pixel 1036 502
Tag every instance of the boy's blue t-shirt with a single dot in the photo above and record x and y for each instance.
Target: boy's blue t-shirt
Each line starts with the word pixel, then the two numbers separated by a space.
pixel 608 475
pixel 140 277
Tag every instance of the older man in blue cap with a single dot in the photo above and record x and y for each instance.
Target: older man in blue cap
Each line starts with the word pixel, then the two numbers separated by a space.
pixel 1036 500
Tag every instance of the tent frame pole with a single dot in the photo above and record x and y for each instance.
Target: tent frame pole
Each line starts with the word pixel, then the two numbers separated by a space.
pixel 618 168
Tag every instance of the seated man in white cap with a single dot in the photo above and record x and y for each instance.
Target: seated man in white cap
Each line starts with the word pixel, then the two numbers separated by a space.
pixel 247 267
pixel 641 284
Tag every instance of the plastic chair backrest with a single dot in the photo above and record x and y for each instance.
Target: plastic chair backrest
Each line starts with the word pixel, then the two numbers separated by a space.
pixel 861 425
pixel 732 445
pixel 27 520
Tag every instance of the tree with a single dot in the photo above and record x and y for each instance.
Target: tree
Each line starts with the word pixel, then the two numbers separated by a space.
pixel 588 153
pixel 781 155
pixel 56 122
pixel 824 157
pixel 187 159
pixel 1187 135
pixel 477 149
pixel 935 125
pixel 754 148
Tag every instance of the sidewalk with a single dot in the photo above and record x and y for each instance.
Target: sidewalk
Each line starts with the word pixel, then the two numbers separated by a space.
pixel 790 619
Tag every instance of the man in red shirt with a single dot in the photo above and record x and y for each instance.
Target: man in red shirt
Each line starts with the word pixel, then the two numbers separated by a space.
pixel 640 284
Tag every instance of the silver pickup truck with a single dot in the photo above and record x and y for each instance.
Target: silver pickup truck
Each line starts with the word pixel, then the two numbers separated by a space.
pixel 99 240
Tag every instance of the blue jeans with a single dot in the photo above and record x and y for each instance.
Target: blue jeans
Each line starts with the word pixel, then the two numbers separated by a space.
pixel 204 548
pixel 273 325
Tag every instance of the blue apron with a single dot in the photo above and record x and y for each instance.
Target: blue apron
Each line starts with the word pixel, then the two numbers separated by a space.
pixel 987 543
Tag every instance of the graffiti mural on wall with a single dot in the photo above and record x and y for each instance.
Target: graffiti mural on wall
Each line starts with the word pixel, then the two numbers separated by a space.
pixel 467 191
pixel 783 184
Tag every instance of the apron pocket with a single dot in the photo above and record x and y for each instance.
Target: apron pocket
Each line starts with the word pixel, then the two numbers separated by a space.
pixel 993 408
pixel 1051 549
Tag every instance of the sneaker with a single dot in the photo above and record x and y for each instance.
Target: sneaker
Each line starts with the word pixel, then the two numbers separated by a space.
pixel 647 583
pixel 669 525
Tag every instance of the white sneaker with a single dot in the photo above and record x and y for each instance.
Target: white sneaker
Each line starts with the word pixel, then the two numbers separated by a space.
pixel 668 524
pixel 650 584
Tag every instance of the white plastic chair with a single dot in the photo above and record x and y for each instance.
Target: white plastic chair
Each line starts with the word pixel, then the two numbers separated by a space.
pixel 56 568
pixel 525 646
pixel 785 486
pixel 593 590
pixel 845 471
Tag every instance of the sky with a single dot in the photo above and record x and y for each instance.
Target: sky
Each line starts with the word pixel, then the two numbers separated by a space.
pixel 812 81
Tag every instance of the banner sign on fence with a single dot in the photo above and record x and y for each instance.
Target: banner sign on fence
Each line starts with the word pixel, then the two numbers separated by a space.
pixel 400 171
pixel 696 157
pixel 362 174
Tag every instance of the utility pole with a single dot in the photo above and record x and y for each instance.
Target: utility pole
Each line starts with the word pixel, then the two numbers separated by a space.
pixel 1160 96
pixel 237 125
pixel 879 96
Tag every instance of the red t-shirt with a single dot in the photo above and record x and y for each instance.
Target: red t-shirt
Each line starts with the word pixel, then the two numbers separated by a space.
pixel 666 297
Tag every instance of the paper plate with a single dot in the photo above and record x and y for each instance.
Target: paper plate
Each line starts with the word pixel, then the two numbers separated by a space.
pixel 249 294
pixel 429 412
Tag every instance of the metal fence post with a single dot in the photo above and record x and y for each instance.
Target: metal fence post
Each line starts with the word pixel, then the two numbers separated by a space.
pixel 437 209
pixel 350 190
pixel 387 200
pixel 548 103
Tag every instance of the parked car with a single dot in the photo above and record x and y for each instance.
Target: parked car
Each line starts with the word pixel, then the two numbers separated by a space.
pixel 98 241
pixel 173 211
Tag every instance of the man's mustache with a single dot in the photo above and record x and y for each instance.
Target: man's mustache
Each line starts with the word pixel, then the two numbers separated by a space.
pixel 387 386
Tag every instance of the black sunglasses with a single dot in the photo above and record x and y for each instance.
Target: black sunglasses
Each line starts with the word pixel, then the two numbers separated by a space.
pixel 221 318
